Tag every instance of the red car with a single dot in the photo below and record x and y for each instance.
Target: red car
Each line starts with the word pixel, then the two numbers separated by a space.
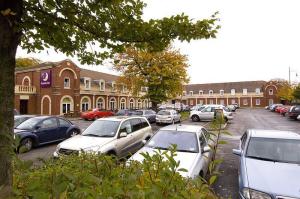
pixel 95 114
pixel 284 110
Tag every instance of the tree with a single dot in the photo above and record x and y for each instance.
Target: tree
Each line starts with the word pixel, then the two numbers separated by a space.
pixel 163 73
pixel 285 92
pixel 70 27
pixel 296 92
pixel 27 62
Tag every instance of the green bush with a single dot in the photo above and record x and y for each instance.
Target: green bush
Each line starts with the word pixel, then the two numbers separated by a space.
pixel 98 176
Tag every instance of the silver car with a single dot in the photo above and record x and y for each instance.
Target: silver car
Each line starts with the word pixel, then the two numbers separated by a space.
pixel 193 149
pixel 269 164
pixel 119 136
pixel 207 112
pixel 167 117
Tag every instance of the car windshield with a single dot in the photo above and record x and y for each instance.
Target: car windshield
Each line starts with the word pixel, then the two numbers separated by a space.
pixel 163 113
pixel 29 124
pixel 185 141
pixel 277 150
pixel 19 120
pixel 102 128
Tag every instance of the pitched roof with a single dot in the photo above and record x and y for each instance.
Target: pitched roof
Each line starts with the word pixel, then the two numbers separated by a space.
pixel 96 75
pixel 226 86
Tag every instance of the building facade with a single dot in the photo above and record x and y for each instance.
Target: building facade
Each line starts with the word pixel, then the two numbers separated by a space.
pixel 56 88
pixel 246 94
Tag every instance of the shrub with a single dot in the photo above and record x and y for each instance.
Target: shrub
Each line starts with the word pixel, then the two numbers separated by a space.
pixel 98 176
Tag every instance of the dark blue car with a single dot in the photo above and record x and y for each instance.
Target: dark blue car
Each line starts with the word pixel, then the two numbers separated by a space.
pixel 43 130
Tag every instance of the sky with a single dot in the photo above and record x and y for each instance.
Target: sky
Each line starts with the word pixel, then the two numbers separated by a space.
pixel 258 40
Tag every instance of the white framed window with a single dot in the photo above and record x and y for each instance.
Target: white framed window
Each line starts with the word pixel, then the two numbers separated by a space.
pixel 100 103
pixel 257 102
pixel 184 93
pixel 67 82
pixel 232 101
pixel 139 104
pixel 257 91
pixel 211 101
pixel 221 92
pixel 244 91
pixel 122 103
pixel 211 92
pixel 102 85
pixel 131 104
pixel 113 86
pixel 85 104
pixel 66 105
pixel 112 104
pixel 87 83
pixel 222 102
pixel 201 92
pixel 191 93
pixel 245 102
pixel 271 102
pixel 232 91
pixel 270 91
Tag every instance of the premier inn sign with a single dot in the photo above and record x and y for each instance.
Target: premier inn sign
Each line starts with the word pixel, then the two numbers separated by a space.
pixel 45 79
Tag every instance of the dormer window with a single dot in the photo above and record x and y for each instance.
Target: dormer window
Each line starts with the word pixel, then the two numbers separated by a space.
pixel 221 92
pixel 211 92
pixel 102 85
pixel 201 92
pixel 184 93
pixel 113 86
pixel 87 83
pixel 191 93
pixel 244 91
pixel 232 91
pixel 257 91
pixel 67 82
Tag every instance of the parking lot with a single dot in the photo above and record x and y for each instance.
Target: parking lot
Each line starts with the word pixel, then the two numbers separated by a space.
pixel 227 184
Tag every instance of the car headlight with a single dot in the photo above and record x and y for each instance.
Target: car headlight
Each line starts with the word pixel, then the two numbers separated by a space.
pixel 57 148
pixel 92 149
pixel 253 194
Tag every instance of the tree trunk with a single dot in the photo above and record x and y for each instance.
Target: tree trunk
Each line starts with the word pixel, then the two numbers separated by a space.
pixel 9 41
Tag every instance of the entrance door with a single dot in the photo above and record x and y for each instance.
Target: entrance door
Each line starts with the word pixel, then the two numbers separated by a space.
pixel 23 106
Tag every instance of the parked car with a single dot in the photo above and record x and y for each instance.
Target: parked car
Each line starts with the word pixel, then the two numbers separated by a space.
pixel 274 106
pixel 167 117
pixel 126 112
pixel 236 105
pixel 284 110
pixel 116 135
pixel 293 112
pixel 232 108
pixel 298 118
pixel 208 112
pixel 18 119
pixel 269 164
pixel 193 150
pixel 149 114
pixel 278 108
pixel 43 130
pixel 96 113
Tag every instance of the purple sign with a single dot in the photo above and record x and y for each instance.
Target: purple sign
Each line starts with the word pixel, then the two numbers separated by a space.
pixel 45 79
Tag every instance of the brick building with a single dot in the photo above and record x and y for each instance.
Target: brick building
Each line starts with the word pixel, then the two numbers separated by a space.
pixel 55 88
pixel 246 93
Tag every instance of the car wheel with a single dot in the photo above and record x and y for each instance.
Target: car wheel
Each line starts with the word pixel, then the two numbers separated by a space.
pixel 25 145
pixel 226 119
pixel 201 174
pixel 73 133
pixel 195 118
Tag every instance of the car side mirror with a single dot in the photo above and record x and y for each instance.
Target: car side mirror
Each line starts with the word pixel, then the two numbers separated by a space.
pixel 237 152
pixel 206 149
pixel 123 134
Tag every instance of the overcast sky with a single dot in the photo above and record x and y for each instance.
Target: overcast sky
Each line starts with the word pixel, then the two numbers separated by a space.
pixel 258 39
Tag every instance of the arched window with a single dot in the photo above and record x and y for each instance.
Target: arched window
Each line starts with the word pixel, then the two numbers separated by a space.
pixel 131 104
pixel 232 91
pixel 211 92
pixel 100 103
pixel 122 103
pixel 112 104
pixel 66 105
pixel 140 104
pixel 85 104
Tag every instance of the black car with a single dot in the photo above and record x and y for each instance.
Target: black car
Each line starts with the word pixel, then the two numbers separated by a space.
pixel 43 130
pixel 293 112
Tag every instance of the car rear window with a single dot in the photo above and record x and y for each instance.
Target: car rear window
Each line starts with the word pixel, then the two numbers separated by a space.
pixel 164 113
